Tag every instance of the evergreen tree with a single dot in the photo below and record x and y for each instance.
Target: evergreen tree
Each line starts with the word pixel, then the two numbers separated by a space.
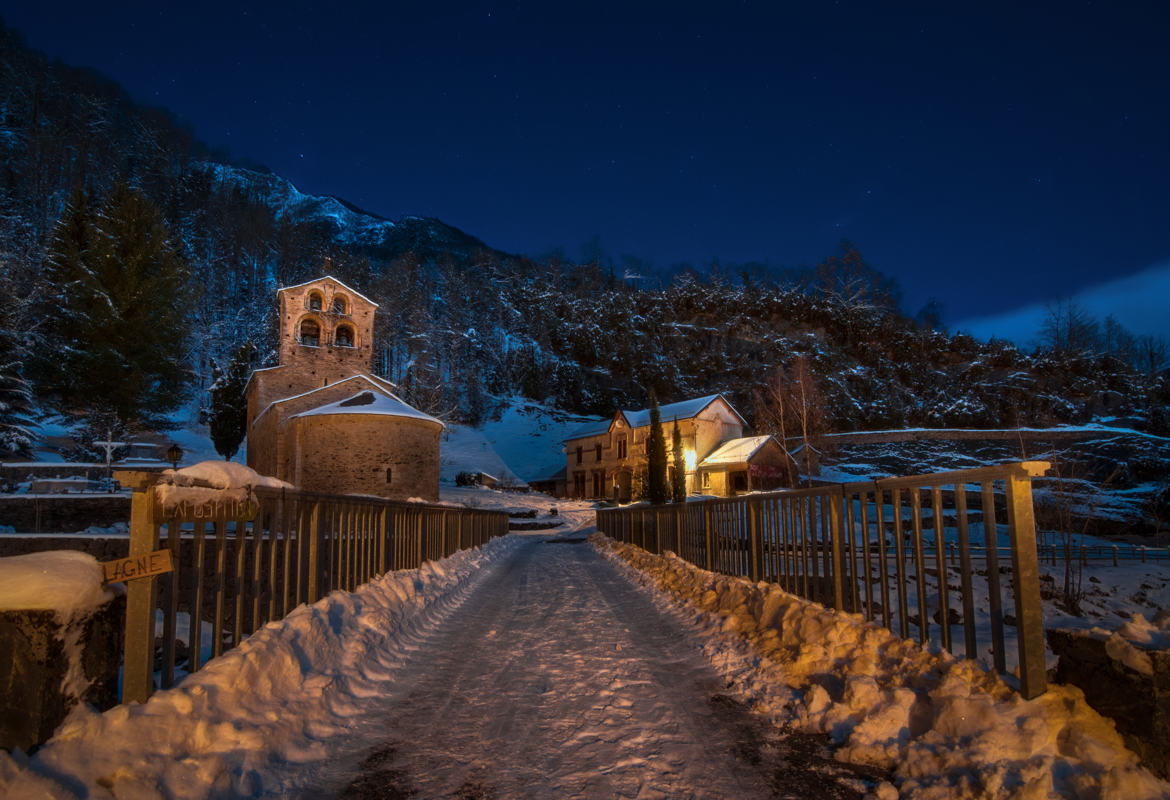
pixel 228 415
pixel 115 332
pixel 15 401
pixel 658 490
pixel 678 483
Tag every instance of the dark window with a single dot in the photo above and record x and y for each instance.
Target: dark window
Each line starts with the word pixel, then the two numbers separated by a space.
pixel 310 333
pixel 598 450
pixel 622 447
pixel 338 305
pixel 580 452
pixel 314 302
pixel 389 470
pixel 344 337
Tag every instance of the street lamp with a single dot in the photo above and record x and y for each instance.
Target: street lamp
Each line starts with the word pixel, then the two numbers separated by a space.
pixel 174 455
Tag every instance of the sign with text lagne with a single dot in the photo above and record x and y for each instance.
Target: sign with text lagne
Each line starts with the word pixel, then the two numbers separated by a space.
pixel 134 567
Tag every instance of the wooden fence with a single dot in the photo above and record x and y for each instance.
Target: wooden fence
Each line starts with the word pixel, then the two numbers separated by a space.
pixel 877 548
pixel 240 565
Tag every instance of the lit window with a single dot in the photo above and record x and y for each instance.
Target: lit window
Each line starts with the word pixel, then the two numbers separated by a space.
pixel 706 480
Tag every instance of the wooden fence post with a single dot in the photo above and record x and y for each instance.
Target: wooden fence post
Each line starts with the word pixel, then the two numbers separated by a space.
pixel 754 537
pixel 835 536
pixel 138 667
pixel 1026 585
pixel 314 582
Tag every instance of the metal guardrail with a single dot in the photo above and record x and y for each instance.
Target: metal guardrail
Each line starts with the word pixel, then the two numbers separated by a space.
pixel 839 545
pixel 256 562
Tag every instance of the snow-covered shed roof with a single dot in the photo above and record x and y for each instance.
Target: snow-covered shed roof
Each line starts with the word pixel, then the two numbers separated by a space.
pixel 736 451
pixel 684 409
pixel 368 402
pixel 342 284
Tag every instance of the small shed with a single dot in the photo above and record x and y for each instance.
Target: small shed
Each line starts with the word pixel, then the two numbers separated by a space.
pixel 750 464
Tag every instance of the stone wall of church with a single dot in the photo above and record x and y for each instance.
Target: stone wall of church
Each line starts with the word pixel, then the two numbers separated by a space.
pixel 351 453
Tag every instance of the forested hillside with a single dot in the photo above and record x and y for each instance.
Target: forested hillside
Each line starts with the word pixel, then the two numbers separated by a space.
pixel 463 327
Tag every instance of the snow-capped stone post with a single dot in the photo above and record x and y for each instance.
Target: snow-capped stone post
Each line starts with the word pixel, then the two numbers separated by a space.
pixel 1026 577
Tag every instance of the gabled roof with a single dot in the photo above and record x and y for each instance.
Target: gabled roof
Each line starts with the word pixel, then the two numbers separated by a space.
pixel 682 410
pixel 590 429
pixel 368 402
pixel 737 451
pixel 342 284
pixel 377 383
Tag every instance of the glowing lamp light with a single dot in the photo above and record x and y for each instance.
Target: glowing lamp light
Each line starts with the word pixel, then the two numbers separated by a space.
pixel 689 460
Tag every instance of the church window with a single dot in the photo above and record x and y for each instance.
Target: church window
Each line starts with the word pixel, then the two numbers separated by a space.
pixel 339 305
pixel 314 301
pixel 310 333
pixel 344 336
pixel 389 472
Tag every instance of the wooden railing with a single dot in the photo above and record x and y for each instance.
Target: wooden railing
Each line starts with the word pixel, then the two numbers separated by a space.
pixel 879 549
pixel 240 565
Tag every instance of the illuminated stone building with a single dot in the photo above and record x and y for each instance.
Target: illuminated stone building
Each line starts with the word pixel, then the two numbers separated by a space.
pixel 321 420
pixel 607 459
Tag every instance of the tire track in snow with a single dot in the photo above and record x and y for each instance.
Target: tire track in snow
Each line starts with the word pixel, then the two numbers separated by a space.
pixel 556 677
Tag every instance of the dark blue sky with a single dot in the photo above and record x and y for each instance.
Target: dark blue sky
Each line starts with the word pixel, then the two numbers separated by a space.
pixel 983 153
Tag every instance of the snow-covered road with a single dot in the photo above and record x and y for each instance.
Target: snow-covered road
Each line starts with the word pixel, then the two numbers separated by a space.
pixel 557 678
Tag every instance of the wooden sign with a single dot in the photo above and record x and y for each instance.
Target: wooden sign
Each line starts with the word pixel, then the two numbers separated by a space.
pixel 135 567
pixel 213 510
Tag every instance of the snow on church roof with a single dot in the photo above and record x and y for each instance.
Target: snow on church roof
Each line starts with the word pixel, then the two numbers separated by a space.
pixel 343 285
pixel 368 402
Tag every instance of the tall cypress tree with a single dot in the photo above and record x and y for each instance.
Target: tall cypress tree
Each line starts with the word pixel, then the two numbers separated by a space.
pixel 115 331
pixel 678 479
pixel 658 490
pixel 229 406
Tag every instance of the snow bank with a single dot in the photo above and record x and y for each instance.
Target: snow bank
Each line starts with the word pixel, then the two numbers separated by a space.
pixel 944 726
pixel 65 581
pixel 234 727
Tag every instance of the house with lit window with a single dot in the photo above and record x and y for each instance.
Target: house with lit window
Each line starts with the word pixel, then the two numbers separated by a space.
pixel 608 459
pixel 321 419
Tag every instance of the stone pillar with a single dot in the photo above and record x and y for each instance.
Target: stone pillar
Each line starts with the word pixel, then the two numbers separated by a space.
pixel 1125 682
pixel 47 666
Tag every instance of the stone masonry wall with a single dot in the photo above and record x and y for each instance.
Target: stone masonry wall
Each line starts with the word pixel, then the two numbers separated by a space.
pixel 329 446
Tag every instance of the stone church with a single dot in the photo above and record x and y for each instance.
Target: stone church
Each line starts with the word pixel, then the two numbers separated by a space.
pixel 321 420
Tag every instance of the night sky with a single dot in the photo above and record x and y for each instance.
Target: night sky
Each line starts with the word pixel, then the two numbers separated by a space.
pixel 984 154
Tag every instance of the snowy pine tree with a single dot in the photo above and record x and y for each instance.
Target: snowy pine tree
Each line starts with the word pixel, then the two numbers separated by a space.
pixel 115 331
pixel 15 402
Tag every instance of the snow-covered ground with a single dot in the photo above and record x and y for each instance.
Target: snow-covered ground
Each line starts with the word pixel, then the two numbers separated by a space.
pixel 944 727
pixel 526 442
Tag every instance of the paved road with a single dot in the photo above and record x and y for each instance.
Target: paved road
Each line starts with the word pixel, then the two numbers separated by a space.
pixel 557 678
